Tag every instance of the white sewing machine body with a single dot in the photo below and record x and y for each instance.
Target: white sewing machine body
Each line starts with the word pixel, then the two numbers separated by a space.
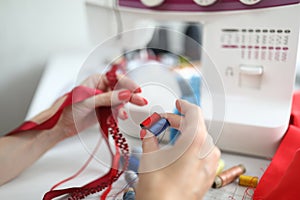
pixel 249 49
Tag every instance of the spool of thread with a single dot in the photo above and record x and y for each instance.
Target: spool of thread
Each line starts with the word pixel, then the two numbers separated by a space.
pixel 228 176
pixel 155 124
pixel 159 126
pixel 131 178
pixel 129 194
pixel 147 123
pixel 221 166
pixel 134 163
pixel 248 181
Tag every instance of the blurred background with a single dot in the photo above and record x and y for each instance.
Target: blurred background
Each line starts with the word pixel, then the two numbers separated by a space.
pixel 31 32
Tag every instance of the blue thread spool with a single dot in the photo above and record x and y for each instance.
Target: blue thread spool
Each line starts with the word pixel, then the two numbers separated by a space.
pixel 134 163
pixel 155 124
pixel 191 93
pixel 159 126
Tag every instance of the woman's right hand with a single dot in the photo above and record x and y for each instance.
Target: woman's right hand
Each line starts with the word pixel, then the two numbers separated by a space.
pixel 178 172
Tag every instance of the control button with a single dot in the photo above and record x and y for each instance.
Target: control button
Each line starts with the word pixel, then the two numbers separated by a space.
pixel 251 76
pixel 152 3
pixel 205 2
pixel 250 2
pixel 251 70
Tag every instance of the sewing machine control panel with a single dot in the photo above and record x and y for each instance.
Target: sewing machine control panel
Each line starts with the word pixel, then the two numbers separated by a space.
pixel 257 44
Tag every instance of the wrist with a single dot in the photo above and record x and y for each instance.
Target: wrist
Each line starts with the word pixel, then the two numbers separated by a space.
pixel 51 136
pixel 157 193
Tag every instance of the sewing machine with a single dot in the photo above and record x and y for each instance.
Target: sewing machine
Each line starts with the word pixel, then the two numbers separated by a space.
pixel 253 101
pixel 248 59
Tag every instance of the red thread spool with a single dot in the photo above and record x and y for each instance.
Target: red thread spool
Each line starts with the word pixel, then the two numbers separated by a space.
pixel 147 123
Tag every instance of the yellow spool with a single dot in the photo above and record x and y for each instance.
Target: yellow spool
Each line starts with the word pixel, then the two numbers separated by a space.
pixel 248 181
pixel 221 165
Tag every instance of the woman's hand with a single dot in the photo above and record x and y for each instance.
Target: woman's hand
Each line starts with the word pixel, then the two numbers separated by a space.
pixel 19 151
pixel 79 116
pixel 181 171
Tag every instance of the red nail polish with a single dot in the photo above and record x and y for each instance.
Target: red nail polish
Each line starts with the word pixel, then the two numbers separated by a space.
pixel 145 101
pixel 125 114
pixel 124 95
pixel 147 123
pixel 138 90
pixel 143 134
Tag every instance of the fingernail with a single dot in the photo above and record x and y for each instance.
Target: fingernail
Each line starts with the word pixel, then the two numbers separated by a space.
pixel 125 114
pixel 178 105
pixel 143 134
pixel 124 95
pixel 138 90
pixel 145 101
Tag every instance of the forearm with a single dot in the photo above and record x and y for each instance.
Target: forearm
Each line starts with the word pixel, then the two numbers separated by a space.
pixel 18 152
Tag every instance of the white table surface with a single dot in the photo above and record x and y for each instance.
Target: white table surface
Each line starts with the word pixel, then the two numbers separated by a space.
pixel 68 156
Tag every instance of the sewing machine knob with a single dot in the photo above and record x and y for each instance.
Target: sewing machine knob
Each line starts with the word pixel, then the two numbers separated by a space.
pixel 250 2
pixel 152 3
pixel 205 2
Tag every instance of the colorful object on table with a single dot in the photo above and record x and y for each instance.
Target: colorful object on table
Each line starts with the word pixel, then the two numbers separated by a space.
pixel 108 127
pixel 129 194
pixel 131 178
pixel 221 166
pixel 248 181
pixel 147 123
pixel 155 124
pixel 281 179
pixel 134 159
pixel 190 91
pixel 133 163
pixel 228 176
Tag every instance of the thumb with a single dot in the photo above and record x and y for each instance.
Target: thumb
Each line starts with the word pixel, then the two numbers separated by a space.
pixel 150 143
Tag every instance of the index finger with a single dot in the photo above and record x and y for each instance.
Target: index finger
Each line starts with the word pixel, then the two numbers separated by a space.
pixel 100 82
pixel 125 82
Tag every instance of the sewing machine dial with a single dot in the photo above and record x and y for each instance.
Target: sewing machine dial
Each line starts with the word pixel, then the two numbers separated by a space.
pixel 152 3
pixel 205 2
pixel 250 2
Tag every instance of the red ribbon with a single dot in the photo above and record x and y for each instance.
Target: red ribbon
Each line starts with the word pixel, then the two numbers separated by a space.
pixel 108 125
pixel 281 179
pixel 77 95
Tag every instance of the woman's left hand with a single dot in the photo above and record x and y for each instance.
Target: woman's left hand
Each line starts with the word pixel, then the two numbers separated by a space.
pixel 79 116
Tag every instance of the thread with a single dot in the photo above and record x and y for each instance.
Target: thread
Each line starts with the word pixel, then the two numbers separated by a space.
pixel 147 123
pixel 221 166
pixel 155 124
pixel 248 181
pixel 159 126
pixel 133 164
pixel 228 176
